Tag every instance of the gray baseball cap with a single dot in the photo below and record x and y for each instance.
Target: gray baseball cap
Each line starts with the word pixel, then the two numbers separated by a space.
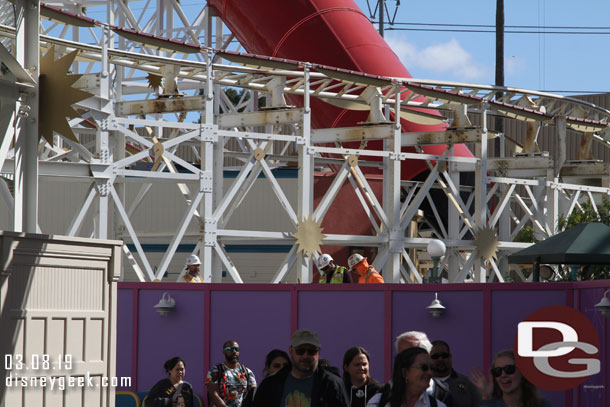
pixel 304 337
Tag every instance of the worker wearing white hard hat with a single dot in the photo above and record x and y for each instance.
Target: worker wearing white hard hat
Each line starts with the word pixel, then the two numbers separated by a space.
pixel 193 265
pixel 330 272
pixel 367 273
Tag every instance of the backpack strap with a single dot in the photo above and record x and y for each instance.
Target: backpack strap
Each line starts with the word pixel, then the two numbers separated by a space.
pixel 246 373
pixel 221 372
pixel 386 394
pixel 433 402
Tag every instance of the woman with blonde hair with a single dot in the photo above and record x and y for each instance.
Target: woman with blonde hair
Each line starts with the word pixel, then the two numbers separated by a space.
pixel 508 388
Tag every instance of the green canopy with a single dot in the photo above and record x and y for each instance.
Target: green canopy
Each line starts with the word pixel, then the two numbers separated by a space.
pixel 587 243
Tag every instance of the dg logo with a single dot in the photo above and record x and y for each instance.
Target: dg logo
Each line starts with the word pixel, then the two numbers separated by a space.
pixel 557 348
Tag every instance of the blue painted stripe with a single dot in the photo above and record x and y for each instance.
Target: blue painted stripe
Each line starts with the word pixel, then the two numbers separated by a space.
pixel 278 173
pixel 284 172
pixel 232 248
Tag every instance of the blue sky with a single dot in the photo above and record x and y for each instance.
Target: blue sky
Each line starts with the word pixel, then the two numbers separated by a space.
pixel 552 62
pixel 532 61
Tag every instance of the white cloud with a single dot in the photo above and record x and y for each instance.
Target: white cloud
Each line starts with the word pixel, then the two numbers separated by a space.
pixel 446 60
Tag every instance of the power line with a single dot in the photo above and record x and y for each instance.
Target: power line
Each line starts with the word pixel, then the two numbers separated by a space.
pixel 507 26
pixel 517 29
pixel 506 31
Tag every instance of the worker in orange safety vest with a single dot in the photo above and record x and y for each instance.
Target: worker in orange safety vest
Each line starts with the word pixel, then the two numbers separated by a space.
pixel 367 273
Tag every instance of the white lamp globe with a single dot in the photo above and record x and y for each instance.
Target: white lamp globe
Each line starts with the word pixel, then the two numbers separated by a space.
pixel 436 248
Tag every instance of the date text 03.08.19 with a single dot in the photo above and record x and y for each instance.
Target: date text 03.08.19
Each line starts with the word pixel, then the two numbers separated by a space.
pixel 37 362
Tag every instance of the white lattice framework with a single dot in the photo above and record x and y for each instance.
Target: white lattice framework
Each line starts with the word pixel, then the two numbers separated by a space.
pixel 133 124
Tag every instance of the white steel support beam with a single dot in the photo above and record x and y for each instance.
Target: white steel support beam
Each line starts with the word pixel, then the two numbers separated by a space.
pixel 112 155
pixel 364 205
pixel 391 201
pixel 26 142
pixel 286 265
pixel 453 226
pixel 132 233
pixel 480 186
pixel 7 128
pixel 102 140
pixel 277 189
pixel 177 237
pixel 208 235
pixel 305 176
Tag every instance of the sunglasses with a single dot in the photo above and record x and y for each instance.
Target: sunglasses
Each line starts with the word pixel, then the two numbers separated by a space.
pixel 508 369
pixel 309 351
pixel 443 355
pixel 232 348
pixel 424 368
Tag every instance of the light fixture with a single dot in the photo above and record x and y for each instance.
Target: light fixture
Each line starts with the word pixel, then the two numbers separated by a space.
pixel 436 308
pixel 436 249
pixel 165 305
pixel 604 305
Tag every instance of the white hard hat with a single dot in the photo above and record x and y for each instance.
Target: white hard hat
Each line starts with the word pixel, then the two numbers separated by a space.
pixel 354 259
pixel 192 260
pixel 324 260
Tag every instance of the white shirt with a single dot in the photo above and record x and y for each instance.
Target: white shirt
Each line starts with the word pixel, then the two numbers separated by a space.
pixel 423 401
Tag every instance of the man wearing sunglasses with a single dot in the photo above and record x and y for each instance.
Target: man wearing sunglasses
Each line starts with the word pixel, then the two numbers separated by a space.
pixel 229 382
pixel 462 393
pixel 305 384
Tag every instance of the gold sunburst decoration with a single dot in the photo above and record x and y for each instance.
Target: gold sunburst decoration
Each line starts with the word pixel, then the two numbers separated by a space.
pixel 57 95
pixel 487 243
pixel 309 235
pixel 154 81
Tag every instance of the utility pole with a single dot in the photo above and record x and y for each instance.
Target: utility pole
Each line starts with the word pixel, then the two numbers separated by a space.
pixel 499 123
pixel 380 5
pixel 381 16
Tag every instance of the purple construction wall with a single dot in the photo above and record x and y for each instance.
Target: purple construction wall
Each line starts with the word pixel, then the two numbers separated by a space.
pixel 480 320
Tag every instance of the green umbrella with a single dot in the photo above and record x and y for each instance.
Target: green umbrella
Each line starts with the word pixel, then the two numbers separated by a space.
pixel 587 243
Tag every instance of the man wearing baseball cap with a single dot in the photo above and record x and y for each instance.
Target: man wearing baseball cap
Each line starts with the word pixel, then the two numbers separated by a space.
pixel 303 384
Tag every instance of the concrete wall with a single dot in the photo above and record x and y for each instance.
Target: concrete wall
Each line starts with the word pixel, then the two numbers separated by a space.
pixel 480 320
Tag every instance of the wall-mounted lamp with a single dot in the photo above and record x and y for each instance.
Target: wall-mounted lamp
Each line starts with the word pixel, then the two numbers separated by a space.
pixel 604 305
pixel 165 305
pixel 436 308
pixel 436 249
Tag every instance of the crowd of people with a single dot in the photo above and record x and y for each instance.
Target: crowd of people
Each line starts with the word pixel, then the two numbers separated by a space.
pixel 422 376
pixel 358 271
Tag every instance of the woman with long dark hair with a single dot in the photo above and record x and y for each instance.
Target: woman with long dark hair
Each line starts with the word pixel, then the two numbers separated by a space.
pixel 275 361
pixel 358 382
pixel 410 379
pixel 508 387
pixel 172 391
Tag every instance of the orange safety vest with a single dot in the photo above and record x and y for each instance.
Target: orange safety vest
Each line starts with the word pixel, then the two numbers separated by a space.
pixel 190 279
pixel 371 276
